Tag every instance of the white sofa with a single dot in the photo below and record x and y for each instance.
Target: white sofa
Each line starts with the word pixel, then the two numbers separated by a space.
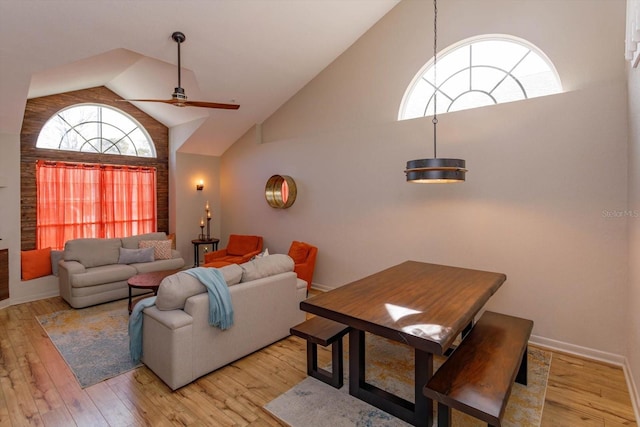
pixel 90 274
pixel 179 345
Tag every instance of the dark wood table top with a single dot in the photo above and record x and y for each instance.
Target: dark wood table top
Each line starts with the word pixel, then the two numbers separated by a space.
pixel 150 280
pixel 423 305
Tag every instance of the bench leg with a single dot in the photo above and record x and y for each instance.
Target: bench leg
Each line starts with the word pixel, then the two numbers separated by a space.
pixel 333 378
pixel 521 378
pixel 444 415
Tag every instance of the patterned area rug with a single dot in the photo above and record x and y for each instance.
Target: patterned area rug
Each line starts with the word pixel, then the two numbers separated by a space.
pixel 93 341
pixel 390 367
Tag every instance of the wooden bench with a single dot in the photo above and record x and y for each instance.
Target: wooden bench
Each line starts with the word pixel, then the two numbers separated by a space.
pixel 478 376
pixel 319 330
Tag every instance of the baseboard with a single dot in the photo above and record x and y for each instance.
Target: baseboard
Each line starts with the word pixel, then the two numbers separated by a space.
pixel 321 287
pixel 633 389
pixel 35 297
pixel 589 353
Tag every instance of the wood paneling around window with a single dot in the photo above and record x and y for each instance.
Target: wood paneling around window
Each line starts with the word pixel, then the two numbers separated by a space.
pixel 36 114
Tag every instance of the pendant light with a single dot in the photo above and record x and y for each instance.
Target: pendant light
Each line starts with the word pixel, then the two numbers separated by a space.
pixel 435 170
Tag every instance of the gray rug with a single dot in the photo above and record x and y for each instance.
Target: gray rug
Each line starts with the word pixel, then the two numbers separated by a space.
pixel 390 366
pixel 93 341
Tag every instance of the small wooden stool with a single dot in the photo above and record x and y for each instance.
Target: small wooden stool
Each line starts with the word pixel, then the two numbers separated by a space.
pixel 319 330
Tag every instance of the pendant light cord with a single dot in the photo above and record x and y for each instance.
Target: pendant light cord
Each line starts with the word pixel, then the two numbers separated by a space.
pixel 435 81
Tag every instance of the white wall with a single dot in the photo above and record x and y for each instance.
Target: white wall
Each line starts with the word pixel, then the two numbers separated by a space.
pixel 543 172
pixel 633 321
pixel 190 204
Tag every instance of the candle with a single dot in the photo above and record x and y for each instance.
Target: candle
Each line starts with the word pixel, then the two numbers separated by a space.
pixel 208 214
pixel 201 221
pixel 206 207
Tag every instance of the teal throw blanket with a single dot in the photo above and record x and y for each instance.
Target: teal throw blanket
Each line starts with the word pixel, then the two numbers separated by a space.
pixel 135 328
pixel 220 307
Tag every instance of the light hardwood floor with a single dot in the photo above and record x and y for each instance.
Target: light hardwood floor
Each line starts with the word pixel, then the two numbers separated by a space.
pixel 38 389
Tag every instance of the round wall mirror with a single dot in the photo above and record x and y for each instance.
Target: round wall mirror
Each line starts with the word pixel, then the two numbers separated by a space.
pixel 280 191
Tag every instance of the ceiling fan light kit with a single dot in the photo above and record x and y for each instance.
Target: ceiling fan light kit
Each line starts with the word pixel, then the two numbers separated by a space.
pixel 178 97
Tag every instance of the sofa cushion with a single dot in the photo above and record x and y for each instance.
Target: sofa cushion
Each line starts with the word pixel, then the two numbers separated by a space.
pixel 130 256
pixel 102 275
pixel 93 252
pixel 131 242
pixel 232 274
pixel 161 248
pixel 36 263
pixel 176 289
pixel 266 266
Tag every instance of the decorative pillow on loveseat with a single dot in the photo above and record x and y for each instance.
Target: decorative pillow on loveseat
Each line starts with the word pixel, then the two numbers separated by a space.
pixel 162 248
pixel 174 290
pixel 266 266
pixel 130 256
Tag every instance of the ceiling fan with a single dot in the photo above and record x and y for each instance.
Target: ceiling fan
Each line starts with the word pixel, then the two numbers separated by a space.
pixel 178 98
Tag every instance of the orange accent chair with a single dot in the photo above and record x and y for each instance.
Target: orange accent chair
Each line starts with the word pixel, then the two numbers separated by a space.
pixel 240 249
pixel 304 257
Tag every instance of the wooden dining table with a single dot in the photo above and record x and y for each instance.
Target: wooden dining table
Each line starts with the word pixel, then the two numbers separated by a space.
pixel 425 306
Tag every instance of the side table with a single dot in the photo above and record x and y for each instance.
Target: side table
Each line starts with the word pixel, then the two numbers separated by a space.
pixel 196 245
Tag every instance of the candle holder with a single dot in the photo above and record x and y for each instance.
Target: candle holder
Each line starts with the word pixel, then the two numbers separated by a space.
pixel 201 236
pixel 208 228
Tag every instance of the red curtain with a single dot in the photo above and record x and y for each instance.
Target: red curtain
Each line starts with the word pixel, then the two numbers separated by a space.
pixel 87 200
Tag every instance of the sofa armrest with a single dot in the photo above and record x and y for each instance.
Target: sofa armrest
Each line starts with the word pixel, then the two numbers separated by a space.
pixel 66 269
pixel 71 267
pixel 172 319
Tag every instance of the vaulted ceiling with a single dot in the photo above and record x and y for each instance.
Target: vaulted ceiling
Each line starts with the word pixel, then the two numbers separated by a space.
pixel 257 53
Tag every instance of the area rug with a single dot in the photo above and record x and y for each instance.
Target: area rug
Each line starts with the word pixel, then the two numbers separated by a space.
pixel 93 341
pixel 390 367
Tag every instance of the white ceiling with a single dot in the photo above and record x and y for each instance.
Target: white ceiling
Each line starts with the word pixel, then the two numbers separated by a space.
pixel 256 52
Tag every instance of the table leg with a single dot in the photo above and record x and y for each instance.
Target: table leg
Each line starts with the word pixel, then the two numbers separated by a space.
pixel 424 371
pixel 196 258
pixel 419 414
pixel 129 306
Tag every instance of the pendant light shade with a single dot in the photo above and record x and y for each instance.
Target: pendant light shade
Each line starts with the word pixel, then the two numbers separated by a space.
pixel 435 170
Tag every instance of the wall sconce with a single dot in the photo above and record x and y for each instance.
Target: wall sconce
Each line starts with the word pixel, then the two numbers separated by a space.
pixel 200 185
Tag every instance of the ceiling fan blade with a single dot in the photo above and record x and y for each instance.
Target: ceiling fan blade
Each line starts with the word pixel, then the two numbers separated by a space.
pixel 166 101
pixel 210 105
pixel 185 103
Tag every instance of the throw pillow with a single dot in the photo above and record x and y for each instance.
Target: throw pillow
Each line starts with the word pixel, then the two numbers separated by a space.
pixel 130 256
pixel 36 263
pixel 262 254
pixel 266 266
pixel 162 248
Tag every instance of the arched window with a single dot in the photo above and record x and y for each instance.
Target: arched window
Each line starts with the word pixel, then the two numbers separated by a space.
pixel 95 128
pixel 480 71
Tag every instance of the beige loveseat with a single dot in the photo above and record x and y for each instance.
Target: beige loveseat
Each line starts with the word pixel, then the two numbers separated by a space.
pixel 90 272
pixel 179 345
